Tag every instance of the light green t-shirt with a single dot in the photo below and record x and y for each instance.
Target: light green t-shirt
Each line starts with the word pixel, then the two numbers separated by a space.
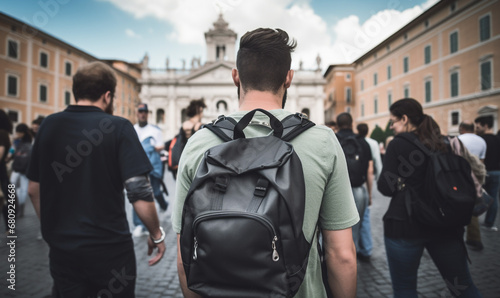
pixel 328 190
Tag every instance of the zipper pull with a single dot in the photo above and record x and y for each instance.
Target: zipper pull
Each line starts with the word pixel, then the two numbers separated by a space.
pixel 276 256
pixel 195 255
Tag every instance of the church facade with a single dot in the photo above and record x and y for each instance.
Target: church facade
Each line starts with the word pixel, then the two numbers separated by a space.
pixel 168 91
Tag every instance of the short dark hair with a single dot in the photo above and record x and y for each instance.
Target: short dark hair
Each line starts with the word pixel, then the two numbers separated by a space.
pixel 194 107
pixel 23 128
pixel 331 123
pixel 362 129
pixel 5 122
pixel 468 127
pixel 344 120
pixel 485 120
pixel 264 59
pixel 38 120
pixel 91 81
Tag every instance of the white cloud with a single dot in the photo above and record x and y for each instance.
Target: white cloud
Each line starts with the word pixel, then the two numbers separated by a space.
pixel 191 18
pixel 131 33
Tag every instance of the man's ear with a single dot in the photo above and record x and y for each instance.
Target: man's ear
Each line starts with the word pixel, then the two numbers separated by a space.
pixel 236 77
pixel 289 77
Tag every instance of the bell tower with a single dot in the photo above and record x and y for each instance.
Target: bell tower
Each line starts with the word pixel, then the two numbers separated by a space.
pixel 221 42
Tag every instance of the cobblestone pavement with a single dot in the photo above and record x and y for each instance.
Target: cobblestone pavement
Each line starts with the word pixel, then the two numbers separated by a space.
pixel 33 277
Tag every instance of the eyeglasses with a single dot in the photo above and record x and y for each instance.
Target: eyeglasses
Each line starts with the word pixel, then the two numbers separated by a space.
pixel 391 122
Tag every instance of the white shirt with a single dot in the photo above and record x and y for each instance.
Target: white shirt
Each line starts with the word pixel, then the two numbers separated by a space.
pixel 150 131
pixel 377 161
pixel 474 143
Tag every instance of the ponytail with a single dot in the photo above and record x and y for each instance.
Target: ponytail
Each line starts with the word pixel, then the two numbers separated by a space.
pixel 429 134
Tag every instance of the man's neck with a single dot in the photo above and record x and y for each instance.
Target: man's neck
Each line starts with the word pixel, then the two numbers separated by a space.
pixel 260 100
pixel 87 102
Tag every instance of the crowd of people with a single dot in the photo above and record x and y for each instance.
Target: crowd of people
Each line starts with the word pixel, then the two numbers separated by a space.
pixel 74 166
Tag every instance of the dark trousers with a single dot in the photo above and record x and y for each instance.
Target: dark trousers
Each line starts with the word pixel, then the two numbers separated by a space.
pixel 109 273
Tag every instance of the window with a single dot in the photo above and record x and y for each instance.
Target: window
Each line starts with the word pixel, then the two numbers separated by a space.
pixel 362 85
pixel 67 68
pixel 362 109
pixel 160 116
pixel 375 79
pixel 406 64
pixel 453 42
pixel 389 98
pixel 453 6
pixel 388 48
pixel 407 91
pixel 389 72
pixel 486 75
pixel 427 54
pixel 428 91
pixel 348 109
pixel 405 36
pixel 13 49
pixel 454 84
pixel 426 24
pixel 12 85
pixel 67 98
pixel 375 56
pixel 348 94
pixel 43 93
pixel 375 105
pixel 13 116
pixel 455 118
pixel 44 60
pixel 484 28
pixel 347 76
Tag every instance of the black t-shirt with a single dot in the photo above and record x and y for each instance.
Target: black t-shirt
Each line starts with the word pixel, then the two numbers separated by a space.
pixel 367 152
pixel 4 142
pixel 407 161
pixel 492 159
pixel 81 158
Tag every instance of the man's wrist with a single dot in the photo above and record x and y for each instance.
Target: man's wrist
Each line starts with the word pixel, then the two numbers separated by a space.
pixel 162 237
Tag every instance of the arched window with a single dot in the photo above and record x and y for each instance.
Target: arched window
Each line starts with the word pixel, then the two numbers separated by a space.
pixel 160 116
pixel 221 106
pixel 306 111
pixel 184 116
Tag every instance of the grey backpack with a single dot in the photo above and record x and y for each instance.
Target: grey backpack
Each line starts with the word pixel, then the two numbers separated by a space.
pixel 242 219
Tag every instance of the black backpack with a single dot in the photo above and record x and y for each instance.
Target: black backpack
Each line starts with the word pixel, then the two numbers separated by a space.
pixel 449 195
pixel 22 157
pixel 242 219
pixel 353 151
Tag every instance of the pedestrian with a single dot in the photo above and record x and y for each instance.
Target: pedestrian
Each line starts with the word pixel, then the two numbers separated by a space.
pixel 35 125
pixel 476 146
pixel 405 239
pixel 484 128
pixel 20 163
pixel 360 167
pixel 263 74
pixel 365 240
pixel 5 144
pixel 194 112
pixel 151 138
pixel 81 160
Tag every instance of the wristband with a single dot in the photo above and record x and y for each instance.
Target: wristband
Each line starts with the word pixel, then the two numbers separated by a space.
pixel 161 238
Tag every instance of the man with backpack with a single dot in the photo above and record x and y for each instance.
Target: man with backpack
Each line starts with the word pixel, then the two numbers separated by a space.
pixel 314 155
pixel 360 167
pixel 151 139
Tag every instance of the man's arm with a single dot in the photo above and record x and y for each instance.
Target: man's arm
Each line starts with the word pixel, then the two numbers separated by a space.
pixel 340 257
pixel 182 274
pixel 34 193
pixel 140 194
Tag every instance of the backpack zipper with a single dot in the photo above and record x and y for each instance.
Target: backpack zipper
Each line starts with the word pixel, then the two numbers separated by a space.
pixel 222 214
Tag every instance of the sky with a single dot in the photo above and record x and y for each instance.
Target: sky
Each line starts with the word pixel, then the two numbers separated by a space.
pixel 337 31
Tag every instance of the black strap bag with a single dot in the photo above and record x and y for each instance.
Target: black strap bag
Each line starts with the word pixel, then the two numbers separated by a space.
pixel 242 219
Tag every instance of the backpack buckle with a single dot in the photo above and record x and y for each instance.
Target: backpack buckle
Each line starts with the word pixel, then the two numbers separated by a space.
pixel 220 118
pixel 221 184
pixel 261 188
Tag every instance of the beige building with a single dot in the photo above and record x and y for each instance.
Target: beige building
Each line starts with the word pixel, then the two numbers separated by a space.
pixel 339 90
pixel 36 72
pixel 447 58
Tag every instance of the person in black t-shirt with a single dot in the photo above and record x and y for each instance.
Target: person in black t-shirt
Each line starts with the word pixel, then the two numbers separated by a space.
pixel 81 160
pixel 484 128
pixel 360 167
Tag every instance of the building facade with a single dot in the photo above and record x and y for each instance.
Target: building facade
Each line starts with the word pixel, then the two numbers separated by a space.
pixel 36 74
pixel 447 59
pixel 168 91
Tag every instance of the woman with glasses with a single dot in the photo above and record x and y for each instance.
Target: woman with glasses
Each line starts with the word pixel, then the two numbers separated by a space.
pixel 404 165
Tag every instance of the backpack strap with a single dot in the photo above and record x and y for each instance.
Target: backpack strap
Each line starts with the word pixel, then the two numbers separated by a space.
pixel 293 125
pixel 223 127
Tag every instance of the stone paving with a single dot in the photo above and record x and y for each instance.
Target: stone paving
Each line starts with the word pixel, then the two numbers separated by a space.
pixel 33 277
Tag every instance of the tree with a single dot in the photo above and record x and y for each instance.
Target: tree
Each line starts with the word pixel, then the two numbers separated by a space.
pixel 378 134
